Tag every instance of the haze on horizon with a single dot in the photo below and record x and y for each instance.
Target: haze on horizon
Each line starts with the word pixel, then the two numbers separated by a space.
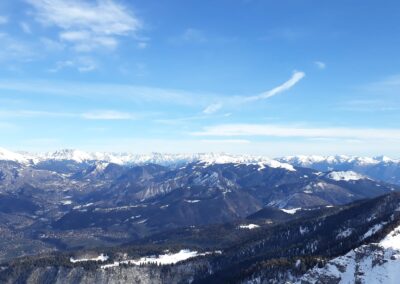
pixel 248 76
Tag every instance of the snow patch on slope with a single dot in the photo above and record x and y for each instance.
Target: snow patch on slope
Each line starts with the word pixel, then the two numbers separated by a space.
pixel 345 176
pixel 249 226
pixel 101 257
pixel 164 259
pixel 291 211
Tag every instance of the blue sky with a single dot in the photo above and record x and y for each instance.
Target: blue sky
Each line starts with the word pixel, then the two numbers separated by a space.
pixel 242 76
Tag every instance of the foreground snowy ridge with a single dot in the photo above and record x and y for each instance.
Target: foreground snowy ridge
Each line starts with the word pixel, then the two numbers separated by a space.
pixel 372 263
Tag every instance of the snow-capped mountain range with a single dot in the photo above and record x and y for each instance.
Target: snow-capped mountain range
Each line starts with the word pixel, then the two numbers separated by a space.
pixel 307 161
pixel 379 168
pixel 209 158
pixel 139 159
pixel 349 167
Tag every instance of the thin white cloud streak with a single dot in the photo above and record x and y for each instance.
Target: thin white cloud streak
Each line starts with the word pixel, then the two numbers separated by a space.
pixel 296 77
pixel 212 108
pixel 6 125
pixel 142 45
pixel 184 120
pixel 232 130
pixel 389 86
pixel 87 25
pixel 91 115
pixel 108 115
pixel 189 35
pixel 138 93
pixel 320 65
pixel 82 64
pixel 25 28
pixel 370 105
pixel 225 141
pixel 119 91
pixel 239 100
pixel 15 50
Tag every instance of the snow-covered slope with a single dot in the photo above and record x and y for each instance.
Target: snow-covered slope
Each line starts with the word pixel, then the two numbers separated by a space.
pixel 345 175
pixel 6 155
pixel 372 263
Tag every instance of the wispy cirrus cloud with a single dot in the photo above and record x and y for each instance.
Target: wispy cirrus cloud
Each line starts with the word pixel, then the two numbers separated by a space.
pixel 25 27
pixel 226 141
pixel 125 92
pixel 87 25
pixel 370 105
pixel 378 96
pixel 82 64
pixel 387 85
pixel 320 65
pixel 296 77
pixel 108 115
pixel 89 115
pixel 267 130
pixel 189 35
pixel 16 50
pixel 212 108
pixel 211 102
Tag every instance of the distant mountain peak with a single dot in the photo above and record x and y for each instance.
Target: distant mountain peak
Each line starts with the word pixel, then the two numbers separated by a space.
pixel 6 155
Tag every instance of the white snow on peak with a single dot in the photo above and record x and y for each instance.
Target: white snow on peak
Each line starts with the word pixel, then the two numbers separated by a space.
pixel 67 154
pixel 303 160
pixel 345 176
pixel 6 155
pixel 386 159
pixel 176 159
pixel 261 161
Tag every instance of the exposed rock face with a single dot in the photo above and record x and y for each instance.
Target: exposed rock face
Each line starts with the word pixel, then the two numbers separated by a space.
pixel 180 273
